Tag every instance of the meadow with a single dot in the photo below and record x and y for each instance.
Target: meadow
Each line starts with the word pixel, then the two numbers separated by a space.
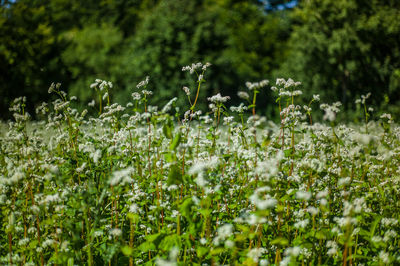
pixel 140 184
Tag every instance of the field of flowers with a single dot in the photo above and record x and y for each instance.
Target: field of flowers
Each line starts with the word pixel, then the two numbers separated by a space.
pixel 145 185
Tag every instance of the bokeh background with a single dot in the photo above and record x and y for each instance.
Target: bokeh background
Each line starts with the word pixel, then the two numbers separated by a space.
pixel 339 49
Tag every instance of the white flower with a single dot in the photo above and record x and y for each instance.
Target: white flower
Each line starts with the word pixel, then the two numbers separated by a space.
pixel 136 96
pixel 243 95
pixel 256 253
pixel 147 92
pixel 333 248
pixel 97 233
pixel 292 251
pixel 134 208
pixel 303 195
pixel 122 177
pixel 96 156
pixel 218 98
pixel 263 203
pixel 384 257
pixel 115 232
pixel 143 83
pixel 186 90
pixel 229 243
pixel 239 109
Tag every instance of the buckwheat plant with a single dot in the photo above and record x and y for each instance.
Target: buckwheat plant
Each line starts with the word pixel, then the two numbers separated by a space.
pixel 140 184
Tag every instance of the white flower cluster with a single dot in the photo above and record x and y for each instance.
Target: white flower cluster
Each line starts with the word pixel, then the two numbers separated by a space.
pixel 101 84
pixel 257 85
pixel 196 66
pixel 218 98
pixel 330 110
pixel 143 83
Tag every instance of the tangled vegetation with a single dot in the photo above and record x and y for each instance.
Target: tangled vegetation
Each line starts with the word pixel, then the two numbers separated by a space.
pixel 143 185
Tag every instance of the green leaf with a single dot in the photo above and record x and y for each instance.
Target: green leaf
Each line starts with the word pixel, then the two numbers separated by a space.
pixel 127 251
pixel 321 235
pixel 374 225
pixel 175 142
pixel 281 241
pixel 288 152
pixel 174 176
pixel 132 216
pixel 70 262
pixel 186 209
pixel 201 251
pixel 146 246
pixel 167 130
pixel 171 241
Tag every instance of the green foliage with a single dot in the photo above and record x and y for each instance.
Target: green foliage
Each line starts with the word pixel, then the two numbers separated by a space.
pixel 141 186
pixel 27 48
pixel 74 43
pixel 342 49
pixel 339 49
pixel 240 40
pixel 93 52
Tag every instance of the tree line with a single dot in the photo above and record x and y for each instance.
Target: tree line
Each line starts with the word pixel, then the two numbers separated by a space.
pixel 339 49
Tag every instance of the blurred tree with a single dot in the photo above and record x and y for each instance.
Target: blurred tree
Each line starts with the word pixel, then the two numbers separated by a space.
pixel 38 38
pixel 343 48
pixel 93 52
pixel 237 37
pixel 27 49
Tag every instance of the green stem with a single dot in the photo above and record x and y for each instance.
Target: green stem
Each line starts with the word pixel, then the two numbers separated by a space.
pixel 89 240
pixel 197 96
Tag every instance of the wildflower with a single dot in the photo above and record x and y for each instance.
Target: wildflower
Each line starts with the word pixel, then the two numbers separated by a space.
pixel 388 117
pixel 48 243
pixel 333 248
pixel 23 241
pixel 239 109
pixel 115 232
pixel 136 96
pixel 193 67
pixel 147 92
pixel 292 251
pixel 302 224
pixel 218 98
pixel 256 253
pixel 122 177
pixel 280 82
pixel 186 90
pixel 316 97
pixel 330 110
pixel 266 202
pixel 257 85
pixel 168 106
pixel 96 156
pixel 97 233
pixel 229 243
pixel 143 83
pixel 384 257
pixel 205 66
pixel 243 95
pixel 303 195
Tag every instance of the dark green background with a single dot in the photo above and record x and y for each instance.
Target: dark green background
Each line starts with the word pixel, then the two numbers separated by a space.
pixel 339 49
